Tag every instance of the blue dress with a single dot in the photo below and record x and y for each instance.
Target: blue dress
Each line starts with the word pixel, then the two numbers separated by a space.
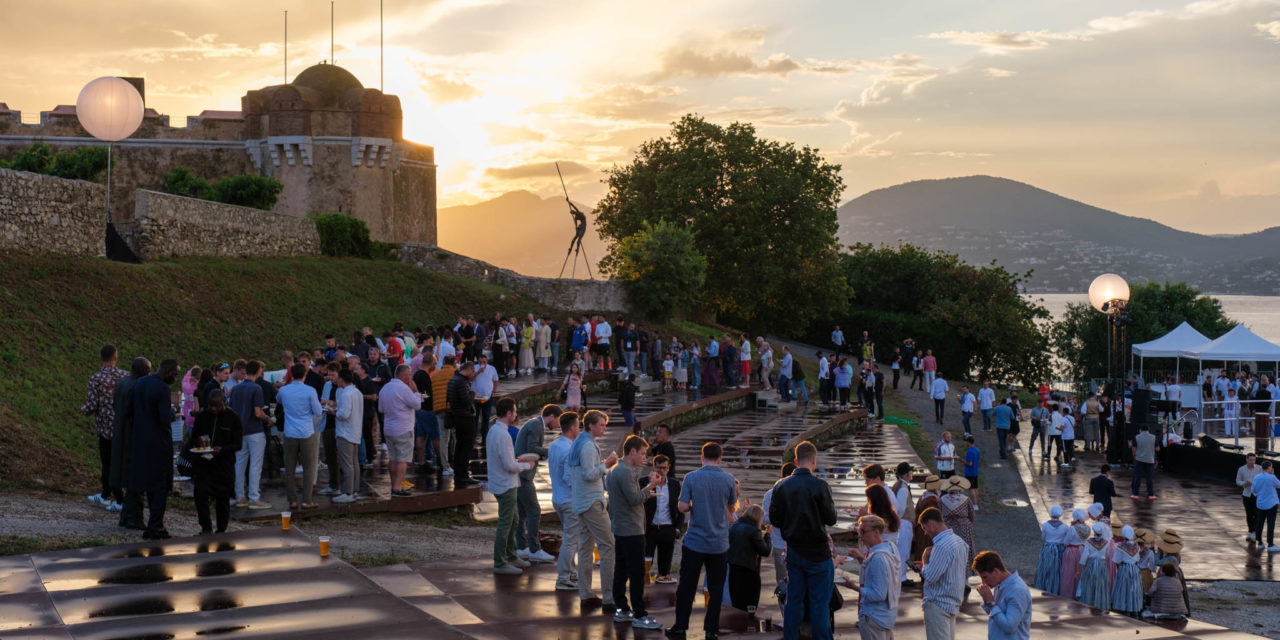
pixel 1049 567
pixel 1126 592
pixel 1094 588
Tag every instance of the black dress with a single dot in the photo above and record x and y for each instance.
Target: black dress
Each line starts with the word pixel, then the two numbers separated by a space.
pixel 214 478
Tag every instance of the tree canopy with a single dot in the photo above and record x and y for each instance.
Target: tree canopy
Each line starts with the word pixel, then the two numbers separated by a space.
pixel 660 268
pixel 762 213
pixel 1080 338
pixel 973 318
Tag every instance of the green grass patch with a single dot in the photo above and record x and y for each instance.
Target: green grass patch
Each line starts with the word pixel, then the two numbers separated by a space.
pixel 21 545
pixel 908 421
pixel 366 560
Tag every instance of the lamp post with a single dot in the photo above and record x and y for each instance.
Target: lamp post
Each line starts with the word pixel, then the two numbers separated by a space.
pixel 110 109
pixel 1109 293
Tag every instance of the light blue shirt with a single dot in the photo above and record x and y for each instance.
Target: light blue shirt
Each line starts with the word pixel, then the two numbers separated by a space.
pixel 1009 617
pixel 587 472
pixel 881 586
pixel 986 398
pixel 944 576
pixel 784 368
pixel 711 491
pixel 1264 487
pixel 713 349
pixel 500 455
pixel 301 408
pixel 350 414
pixel 1004 416
pixel 775 533
pixel 561 481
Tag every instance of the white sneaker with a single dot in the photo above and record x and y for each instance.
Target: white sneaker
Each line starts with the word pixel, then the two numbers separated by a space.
pixel 541 556
pixel 448 473
pixel 343 499
pixel 523 554
pixel 1273 549
pixel 327 491
pixel 507 570
pixel 97 500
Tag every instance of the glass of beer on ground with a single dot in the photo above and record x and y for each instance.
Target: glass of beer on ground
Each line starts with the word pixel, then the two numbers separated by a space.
pixel 324 546
pixel 285 516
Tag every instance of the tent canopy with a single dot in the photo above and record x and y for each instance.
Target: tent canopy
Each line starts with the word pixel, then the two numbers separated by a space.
pixel 1171 344
pixel 1237 344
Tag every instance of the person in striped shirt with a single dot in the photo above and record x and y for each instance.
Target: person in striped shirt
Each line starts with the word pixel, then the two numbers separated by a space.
pixel 944 571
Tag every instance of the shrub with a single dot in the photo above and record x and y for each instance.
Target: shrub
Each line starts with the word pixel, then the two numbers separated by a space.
pixel 182 182
pixel 342 236
pixel 85 163
pixel 35 158
pixel 660 267
pixel 248 190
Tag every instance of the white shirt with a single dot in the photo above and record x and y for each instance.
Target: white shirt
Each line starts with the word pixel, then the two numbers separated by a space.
pixel 662 508
pixel 986 398
pixel 1055 424
pixel 947 450
pixel 1068 427
pixel 486 378
pixel 938 390
pixel 350 414
pixel 966 402
pixel 784 370
pixel 443 349
pixel 1173 392
pixel 603 333
pixel 824 369
pixel 744 354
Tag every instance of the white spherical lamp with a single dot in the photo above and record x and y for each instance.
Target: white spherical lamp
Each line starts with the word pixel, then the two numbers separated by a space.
pixel 110 109
pixel 1105 288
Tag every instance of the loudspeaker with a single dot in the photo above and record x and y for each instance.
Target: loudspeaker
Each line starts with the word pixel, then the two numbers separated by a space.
pixel 1140 411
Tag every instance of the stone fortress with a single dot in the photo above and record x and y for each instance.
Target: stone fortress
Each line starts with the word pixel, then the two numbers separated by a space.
pixel 334 144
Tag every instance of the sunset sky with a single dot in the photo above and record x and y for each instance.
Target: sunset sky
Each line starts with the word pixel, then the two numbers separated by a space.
pixel 1165 110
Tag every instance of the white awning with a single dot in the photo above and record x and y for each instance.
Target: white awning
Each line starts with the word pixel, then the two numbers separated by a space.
pixel 1171 344
pixel 1237 344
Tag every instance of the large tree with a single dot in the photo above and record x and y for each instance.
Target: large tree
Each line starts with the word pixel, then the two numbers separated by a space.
pixel 1080 338
pixel 660 268
pixel 762 212
pixel 973 318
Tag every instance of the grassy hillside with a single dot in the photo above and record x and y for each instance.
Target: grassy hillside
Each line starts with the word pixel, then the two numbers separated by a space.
pixel 56 312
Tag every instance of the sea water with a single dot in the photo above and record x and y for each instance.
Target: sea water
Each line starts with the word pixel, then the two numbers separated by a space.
pixel 1260 313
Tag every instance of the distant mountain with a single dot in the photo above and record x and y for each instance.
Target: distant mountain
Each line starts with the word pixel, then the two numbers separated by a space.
pixel 1067 243
pixel 518 231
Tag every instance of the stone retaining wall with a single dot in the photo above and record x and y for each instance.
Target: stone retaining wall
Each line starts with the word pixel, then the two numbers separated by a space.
pixel 169 226
pixel 585 295
pixel 44 214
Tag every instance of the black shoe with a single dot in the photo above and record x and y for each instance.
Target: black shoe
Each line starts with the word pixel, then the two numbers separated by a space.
pixel 158 534
pixel 710 636
pixel 609 608
pixel 205 531
pixel 466 482
pixel 674 634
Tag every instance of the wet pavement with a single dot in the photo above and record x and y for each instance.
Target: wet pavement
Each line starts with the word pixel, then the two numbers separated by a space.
pixel 1208 515
pixel 261 583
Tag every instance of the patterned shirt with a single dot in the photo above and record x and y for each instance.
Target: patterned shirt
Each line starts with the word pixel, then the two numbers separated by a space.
pixel 944 576
pixel 97 400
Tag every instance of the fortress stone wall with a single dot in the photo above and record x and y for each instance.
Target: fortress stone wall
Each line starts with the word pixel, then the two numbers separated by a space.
pixel 43 214
pixel 169 226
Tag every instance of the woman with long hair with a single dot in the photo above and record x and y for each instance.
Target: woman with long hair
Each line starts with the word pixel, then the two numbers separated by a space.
pixel 571 388
pixel 191 382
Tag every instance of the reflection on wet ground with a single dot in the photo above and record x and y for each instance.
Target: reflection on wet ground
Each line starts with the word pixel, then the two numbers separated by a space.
pixel 261 583
pixel 1208 515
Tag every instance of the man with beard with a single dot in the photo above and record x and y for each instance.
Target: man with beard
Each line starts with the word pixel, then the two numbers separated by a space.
pixel 151 467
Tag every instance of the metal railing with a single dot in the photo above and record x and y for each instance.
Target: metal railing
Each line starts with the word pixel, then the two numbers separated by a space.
pixel 1234 420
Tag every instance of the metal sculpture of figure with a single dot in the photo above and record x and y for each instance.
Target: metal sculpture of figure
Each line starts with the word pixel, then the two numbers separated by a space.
pixel 579 230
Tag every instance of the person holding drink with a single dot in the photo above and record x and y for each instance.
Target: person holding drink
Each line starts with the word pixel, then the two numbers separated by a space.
pixel 216 436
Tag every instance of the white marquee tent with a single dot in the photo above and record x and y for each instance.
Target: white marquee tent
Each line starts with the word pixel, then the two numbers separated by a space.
pixel 1238 344
pixel 1170 345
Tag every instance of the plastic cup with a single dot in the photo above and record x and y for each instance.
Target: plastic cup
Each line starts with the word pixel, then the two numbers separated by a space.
pixel 706 598
pixel 596 552
pixel 285 516
pixel 324 546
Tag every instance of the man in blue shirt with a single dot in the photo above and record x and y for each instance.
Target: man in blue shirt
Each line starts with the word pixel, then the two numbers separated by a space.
pixel 707 496
pixel 301 413
pixel 1004 419
pixel 1264 487
pixel 972 459
pixel 881 583
pixel 562 500
pixel 1005 598
pixel 943 571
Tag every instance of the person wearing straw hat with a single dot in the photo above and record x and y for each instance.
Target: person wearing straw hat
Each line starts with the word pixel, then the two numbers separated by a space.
pixel 1073 539
pixel 957 512
pixel 1264 486
pixel 1146 557
pixel 1094 588
pixel 928 499
pixel 1126 590
pixel 1049 565
pixel 1117 536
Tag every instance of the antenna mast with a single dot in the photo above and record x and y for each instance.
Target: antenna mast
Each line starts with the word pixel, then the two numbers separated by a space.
pixel 286 47
pixel 331 60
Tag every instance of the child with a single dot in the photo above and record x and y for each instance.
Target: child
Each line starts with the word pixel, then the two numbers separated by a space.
pixel 746 547
pixel 1049 567
pixel 971 458
pixel 1126 592
pixel 1146 557
pixel 1073 539
pixel 668 372
pixel 1094 590
pixel 1068 437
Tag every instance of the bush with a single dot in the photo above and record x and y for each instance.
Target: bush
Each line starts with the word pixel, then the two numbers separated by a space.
pixel 85 163
pixel 660 268
pixel 248 190
pixel 35 158
pixel 342 236
pixel 182 182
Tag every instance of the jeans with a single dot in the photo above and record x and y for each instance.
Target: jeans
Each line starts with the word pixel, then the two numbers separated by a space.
pixel 1068 450
pixel 504 538
pixel 938 624
pixel 939 408
pixel 1003 436
pixel 104 456
pixel 691 563
pixel 348 453
pixel 1250 511
pixel 595 530
pixel 483 411
pixel 555 356
pixel 529 514
pixel 964 420
pixel 784 388
pixel 630 358
pixel 629 566
pixel 1056 441
pixel 300 450
pixel 566 568
pixel 917 380
pixel 1037 431
pixel 928 379
pixel 986 419
pixel 812 582
pixel 1267 516
pixel 800 390
pixel 661 538
pixel 249 459
pixel 629 418
pixel 447 439
pixel 824 390
pixel 896 374
pixel 1143 470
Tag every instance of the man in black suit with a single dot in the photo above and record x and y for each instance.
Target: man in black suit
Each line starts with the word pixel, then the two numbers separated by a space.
pixel 662 519
pixel 1102 489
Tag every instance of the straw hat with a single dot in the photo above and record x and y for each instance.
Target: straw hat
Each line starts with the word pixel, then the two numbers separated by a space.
pixel 933 483
pixel 957 483
pixel 1169 542
pixel 1117 527
pixel 1145 536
